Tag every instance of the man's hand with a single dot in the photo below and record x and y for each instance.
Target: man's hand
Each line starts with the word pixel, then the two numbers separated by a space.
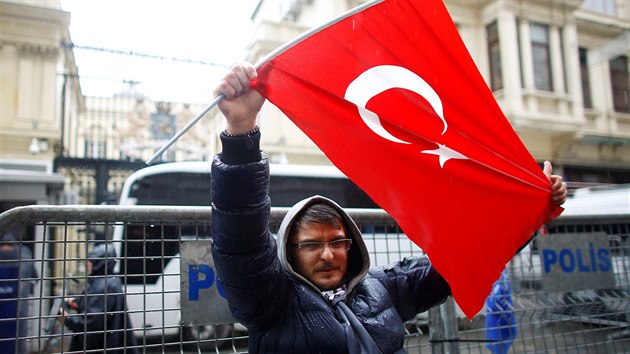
pixel 72 303
pixel 559 191
pixel 241 104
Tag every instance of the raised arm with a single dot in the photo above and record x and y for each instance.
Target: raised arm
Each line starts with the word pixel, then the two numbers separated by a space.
pixel 243 248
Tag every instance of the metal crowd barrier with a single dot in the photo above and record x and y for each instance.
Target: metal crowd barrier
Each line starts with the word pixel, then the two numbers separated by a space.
pixel 554 314
pixel 166 291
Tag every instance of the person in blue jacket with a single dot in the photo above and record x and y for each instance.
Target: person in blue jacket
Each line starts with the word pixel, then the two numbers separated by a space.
pixel 311 289
pixel 17 279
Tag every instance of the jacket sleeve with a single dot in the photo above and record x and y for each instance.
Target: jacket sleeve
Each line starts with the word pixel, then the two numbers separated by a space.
pixel 243 248
pixel 413 285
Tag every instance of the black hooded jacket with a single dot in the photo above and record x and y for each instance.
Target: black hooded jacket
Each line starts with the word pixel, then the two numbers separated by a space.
pixel 102 321
pixel 284 312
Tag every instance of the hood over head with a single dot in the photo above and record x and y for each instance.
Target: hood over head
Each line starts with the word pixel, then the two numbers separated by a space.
pixel 9 237
pixel 102 257
pixel 12 252
pixel 358 257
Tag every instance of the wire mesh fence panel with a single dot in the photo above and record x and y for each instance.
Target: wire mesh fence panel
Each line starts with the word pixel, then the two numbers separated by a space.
pixel 157 255
pixel 146 245
pixel 563 313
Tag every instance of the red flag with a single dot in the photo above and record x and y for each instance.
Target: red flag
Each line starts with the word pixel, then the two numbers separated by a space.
pixel 392 97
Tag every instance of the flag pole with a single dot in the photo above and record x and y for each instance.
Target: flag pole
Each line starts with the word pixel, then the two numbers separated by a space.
pixel 265 59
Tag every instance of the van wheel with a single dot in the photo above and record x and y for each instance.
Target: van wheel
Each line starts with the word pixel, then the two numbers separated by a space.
pixel 205 336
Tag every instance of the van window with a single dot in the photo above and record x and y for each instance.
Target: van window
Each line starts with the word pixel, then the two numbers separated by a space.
pixel 176 188
pixel 285 191
pixel 194 189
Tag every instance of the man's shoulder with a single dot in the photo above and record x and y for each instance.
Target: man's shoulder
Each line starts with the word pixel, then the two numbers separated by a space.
pixel 110 283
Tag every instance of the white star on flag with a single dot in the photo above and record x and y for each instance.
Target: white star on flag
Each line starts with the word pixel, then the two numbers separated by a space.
pixel 445 154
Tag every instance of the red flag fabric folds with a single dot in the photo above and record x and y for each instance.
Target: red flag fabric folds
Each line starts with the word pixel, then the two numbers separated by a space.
pixel 392 97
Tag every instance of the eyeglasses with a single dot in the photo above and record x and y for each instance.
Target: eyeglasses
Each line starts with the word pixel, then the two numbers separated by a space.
pixel 340 245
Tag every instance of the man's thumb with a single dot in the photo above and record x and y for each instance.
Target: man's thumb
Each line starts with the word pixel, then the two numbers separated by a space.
pixel 548 169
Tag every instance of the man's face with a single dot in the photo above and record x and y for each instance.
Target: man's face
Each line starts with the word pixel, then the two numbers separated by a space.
pixel 322 267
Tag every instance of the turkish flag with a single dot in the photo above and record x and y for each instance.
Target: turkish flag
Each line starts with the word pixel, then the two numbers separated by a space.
pixel 392 97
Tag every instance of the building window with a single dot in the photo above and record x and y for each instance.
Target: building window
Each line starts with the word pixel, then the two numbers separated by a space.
pixel 604 6
pixel 494 55
pixel 586 82
pixel 620 81
pixel 95 149
pixel 289 10
pixel 541 56
pixel 564 66
pixel 520 52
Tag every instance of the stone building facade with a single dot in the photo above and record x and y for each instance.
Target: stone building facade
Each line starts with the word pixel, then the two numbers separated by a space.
pixel 558 69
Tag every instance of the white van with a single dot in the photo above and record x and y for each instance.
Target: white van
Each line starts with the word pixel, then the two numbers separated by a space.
pixel 605 200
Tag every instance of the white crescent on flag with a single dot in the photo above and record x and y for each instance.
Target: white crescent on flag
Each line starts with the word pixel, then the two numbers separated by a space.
pixel 381 78
pixel 378 79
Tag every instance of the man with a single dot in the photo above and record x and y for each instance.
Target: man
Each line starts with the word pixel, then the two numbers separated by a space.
pixel 311 290
pixel 101 321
